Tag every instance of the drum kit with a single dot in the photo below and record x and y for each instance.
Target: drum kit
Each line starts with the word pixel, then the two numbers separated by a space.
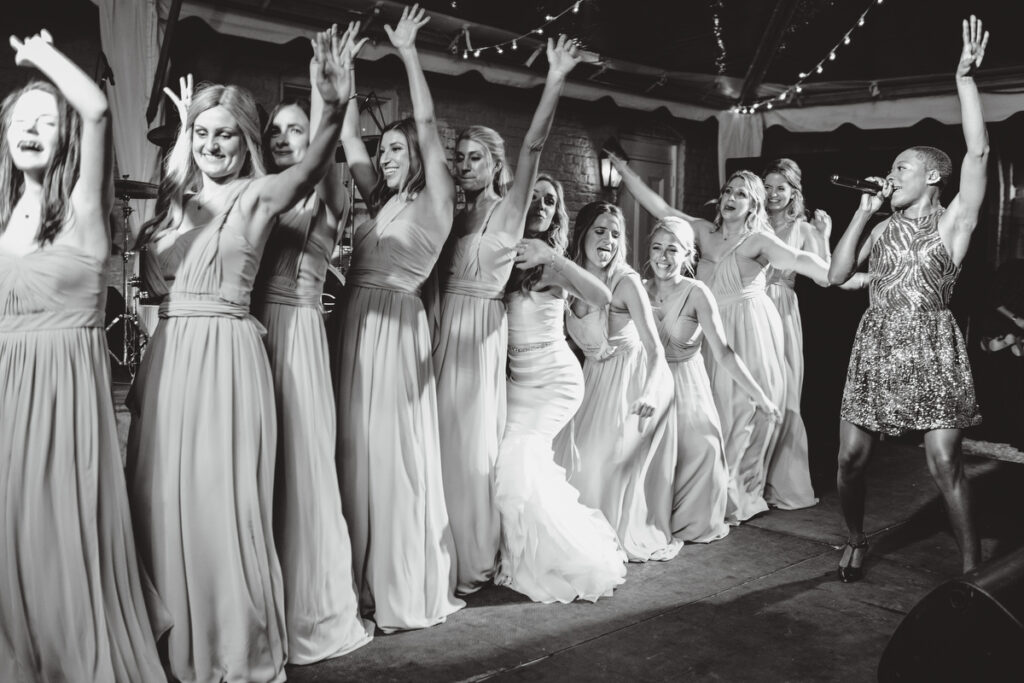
pixel 126 348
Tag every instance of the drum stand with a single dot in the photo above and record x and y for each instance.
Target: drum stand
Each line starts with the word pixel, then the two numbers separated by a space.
pixel 133 337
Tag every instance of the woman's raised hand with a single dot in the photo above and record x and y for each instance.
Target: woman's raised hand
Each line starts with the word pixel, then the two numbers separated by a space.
pixel 331 77
pixel 28 51
pixel 183 100
pixel 975 40
pixel 403 36
pixel 822 222
pixel 563 55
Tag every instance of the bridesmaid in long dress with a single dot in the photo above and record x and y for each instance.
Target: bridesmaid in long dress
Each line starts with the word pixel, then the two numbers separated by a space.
pixel 470 347
pixel 321 610
pixel 788 484
pixel 553 548
pixel 73 607
pixel 686 314
pixel 624 431
pixel 202 444
pixel 388 447
pixel 735 252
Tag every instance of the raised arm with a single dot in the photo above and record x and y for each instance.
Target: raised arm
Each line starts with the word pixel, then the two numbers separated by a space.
pixel 277 193
pixel 785 257
pixel 967 204
pixel 511 214
pixel 714 334
pixel 92 196
pixel 817 235
pixel 440 187
pixel 331 189
pixel 639 306
pixel 652 202
pixel 561 272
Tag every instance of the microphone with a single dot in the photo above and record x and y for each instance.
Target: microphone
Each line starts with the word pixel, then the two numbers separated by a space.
pixel 856 184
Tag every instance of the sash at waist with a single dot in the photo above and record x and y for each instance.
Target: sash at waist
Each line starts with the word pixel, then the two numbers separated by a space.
pixel 681 355
pixel 377 279
pixel 178 305
pixel 746 294
pixel 475 288
pixel 51 320
pixel 282 290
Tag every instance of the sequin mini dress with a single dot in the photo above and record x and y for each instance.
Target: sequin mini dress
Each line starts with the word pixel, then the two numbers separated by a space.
pixel 909 369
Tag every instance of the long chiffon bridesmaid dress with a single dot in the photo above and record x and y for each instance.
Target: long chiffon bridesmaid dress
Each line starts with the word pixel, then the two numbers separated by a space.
pixel 388 445
pixel 754 330
pixel 470 350
pixel 320 603
pixel 788 484
pixel 701 478
pixel 201 458
pixel 624 471
pixel 72 600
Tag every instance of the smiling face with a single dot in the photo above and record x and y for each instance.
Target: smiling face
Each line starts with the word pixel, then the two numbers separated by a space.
pixel 542 207
pixel 474 167
pixel 394 159
pixel 289 136
pixel 34 132
pixel 668 255
pixel 909 179
pixel 217 145
pixel 603 240
pixel 779 192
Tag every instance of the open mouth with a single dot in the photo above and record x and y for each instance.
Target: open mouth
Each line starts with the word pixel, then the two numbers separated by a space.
pixel 30 146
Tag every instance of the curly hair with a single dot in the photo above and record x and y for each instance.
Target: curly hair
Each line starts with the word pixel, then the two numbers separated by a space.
pixel 61 173
pixel 556 237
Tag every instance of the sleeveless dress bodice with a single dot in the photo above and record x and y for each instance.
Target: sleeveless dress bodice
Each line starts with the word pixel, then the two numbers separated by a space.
pixel 534 318
pixel 680 334
pixel 389 251
pixel 296 256
pixel 912 268
pixel 481 263
pixel 56 287
pixel 776 276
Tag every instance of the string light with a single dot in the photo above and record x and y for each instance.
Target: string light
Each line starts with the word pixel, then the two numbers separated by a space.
pixel 717 23
pixel 804 75
pixel 513 43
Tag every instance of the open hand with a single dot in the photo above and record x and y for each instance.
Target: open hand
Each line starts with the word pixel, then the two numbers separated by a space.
pixel 27 52
pixel 822 222
pixel 975 40
pixel 563 55
pixel 331 79
pixel 403 36
pixel 183 100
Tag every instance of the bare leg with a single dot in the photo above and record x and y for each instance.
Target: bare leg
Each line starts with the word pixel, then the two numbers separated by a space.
pixel 855 446
pixel 945 462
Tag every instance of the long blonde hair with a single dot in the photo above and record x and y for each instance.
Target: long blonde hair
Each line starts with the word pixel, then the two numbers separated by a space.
pixel 182 175
pixel 757 216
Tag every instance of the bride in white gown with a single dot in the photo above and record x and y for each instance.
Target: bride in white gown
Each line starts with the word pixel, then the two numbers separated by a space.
pixel 553 548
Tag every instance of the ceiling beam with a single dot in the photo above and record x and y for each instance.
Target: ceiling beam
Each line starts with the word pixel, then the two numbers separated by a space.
pixel 782 15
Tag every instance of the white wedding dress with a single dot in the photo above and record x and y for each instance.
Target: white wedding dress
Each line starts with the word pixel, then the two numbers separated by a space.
pixel 553 548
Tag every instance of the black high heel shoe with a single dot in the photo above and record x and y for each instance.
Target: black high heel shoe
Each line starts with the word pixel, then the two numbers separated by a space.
pixel 849 573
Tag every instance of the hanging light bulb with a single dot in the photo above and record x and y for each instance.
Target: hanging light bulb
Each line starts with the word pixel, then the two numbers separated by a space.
pixel 465 54
pixel 831 56
pixel 576 8
pixel 820 68
pixel 548 17
pixel 500 51
pixel 860 22
pixel 846 39
pixel 515 45
pixel 476 52
pixel 799 88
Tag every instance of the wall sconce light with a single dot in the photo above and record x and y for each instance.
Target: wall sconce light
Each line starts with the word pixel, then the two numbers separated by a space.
pixel 610 176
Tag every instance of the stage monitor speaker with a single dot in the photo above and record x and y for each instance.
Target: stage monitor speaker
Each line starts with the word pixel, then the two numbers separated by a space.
pixel 968 629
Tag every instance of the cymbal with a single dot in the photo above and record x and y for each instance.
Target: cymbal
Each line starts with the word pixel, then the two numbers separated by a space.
pixel 163 136
pixel 134 189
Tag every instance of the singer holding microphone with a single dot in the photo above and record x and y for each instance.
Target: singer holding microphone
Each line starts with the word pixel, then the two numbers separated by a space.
pixel 909 369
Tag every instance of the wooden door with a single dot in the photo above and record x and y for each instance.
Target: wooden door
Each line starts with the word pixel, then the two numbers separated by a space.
pixel 654 160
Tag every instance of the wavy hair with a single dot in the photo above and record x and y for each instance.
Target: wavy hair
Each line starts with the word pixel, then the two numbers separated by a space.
pixel 585 220
pixel 61 174
pixel 556 237
pixel 415 181
pixel 791 173
pixel 490 140
pixel 757 218
pixel 181 174
pixel 682 231
pixel 303 104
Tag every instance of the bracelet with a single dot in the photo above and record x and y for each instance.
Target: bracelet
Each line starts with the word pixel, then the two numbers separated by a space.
pixel 555 262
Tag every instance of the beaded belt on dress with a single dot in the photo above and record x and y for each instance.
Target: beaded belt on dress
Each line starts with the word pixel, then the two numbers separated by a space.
pixel 523 348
